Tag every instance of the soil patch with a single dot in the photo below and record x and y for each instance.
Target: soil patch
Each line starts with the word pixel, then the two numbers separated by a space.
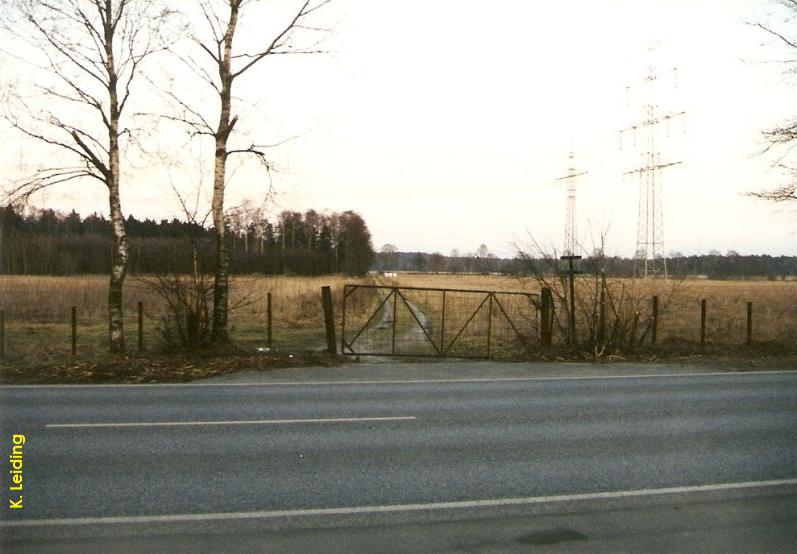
pixel 171 368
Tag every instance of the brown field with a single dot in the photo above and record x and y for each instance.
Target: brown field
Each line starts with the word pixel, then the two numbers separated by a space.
pixel 37 309
pixel 774 303
pixel 37 313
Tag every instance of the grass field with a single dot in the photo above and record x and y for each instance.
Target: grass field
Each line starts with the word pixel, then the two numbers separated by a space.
pixel 37 309
pixel 774 303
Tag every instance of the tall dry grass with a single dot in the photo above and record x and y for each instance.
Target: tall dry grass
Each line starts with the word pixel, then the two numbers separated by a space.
pixel 44 299
pixel 774 303
pixel 37 312
pixel 37 309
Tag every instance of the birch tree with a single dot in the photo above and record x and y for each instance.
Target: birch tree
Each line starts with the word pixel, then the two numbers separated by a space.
pixel 84 57
pixel 219 66
pixel 782 138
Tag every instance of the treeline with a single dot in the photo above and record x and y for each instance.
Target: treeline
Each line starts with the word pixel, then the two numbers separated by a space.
pixel 47 242
pixel 715 265
pixel 438 263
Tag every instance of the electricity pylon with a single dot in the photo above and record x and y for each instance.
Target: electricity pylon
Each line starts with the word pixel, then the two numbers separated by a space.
pixel 649 257
pixel 571 238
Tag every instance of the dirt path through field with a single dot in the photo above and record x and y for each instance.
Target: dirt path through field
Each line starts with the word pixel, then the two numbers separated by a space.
pixel 412 336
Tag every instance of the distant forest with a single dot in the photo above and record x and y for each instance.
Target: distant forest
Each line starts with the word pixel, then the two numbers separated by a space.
pixel 712 266
pixel 46 242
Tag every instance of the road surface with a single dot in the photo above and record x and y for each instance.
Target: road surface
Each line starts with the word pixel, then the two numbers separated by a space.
pixel 660 463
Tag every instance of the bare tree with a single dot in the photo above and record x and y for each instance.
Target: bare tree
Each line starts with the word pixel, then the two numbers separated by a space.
pixel 783 138
pixel 219 66
pixel 611 316
pixel 90 54
pixel 186 323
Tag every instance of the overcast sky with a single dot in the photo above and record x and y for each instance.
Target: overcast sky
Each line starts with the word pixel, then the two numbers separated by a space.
pixel 446 123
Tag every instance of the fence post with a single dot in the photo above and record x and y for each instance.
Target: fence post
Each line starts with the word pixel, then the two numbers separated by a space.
pixel 749 323
pixel 329 321
pixel 602 311
pixel 268 318
pixel 703 323
pixel 655 319
pixel 74 330
pixel 2 334
pixel 443 327
pixel 546 317
pixel 489 322
pixel 140 326
pixel 571 319
pixel 346 289
pixel 395 305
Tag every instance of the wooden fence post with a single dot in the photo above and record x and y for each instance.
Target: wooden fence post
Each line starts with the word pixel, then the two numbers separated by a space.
pixel 140 326
pixel 74 330
pixel 546 316
pixel 703 323
pixel 749 323
pixel 655 319
pixel 329 321
pixel 602 311
pixel 2 334
pixel 268 319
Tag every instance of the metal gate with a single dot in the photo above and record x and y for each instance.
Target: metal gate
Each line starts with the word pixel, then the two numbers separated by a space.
pixel 413 321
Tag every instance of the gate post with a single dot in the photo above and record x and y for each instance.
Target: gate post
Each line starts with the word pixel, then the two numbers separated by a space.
pixel 329 321
pixel 489 323
pixel 443 327
pixel 343 320
pixel 393 340
pixel 546 316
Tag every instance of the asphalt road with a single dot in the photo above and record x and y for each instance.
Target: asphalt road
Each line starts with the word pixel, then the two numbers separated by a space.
pixel 594 464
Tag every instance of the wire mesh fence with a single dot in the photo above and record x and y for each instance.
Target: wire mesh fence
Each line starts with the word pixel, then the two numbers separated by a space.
pixel 37 314
pixel 718 314
pixel 429 320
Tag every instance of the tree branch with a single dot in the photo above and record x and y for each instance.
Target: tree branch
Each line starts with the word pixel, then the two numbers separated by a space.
pixel 279 40
pixel 774 33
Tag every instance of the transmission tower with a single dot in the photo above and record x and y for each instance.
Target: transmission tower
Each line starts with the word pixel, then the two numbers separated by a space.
pixel 649 257
pixel 571 239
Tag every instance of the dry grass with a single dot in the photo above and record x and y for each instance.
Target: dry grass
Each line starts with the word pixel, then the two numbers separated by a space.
pixel 774 303
pixel 37 310
pixel 37 313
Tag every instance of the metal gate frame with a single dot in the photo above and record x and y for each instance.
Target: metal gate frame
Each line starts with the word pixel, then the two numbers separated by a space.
pixel 441 350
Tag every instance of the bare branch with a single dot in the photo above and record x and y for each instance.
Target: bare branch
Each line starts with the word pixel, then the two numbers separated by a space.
pixel 197 122
pixel 101 167
pixel 783 139
pixel 780 194
pixel 259 149
pixel 774 33
pixel 46 178
pixel 281 37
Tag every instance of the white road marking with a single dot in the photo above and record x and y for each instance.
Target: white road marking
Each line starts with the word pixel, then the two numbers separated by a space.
pixel 355 510
pixel 241 422
pixel 398 382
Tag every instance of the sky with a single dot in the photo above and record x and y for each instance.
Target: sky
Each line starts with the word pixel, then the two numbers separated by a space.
pixel 446 124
